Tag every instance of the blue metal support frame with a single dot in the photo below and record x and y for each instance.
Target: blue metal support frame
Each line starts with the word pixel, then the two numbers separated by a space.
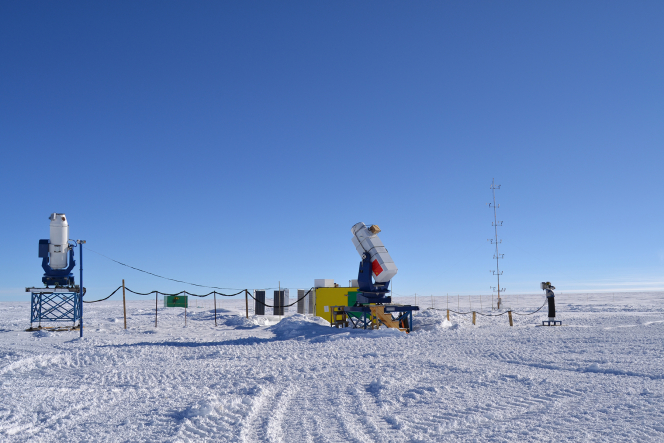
pixel 81 288
pixel 54 306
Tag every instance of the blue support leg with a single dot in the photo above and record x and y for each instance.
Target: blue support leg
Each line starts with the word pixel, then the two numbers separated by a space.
pixel 80 311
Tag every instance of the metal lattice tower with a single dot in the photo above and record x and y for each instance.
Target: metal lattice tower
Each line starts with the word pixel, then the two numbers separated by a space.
pixel 497 256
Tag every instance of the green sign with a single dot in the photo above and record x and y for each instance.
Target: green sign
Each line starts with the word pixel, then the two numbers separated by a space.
pixel 176 301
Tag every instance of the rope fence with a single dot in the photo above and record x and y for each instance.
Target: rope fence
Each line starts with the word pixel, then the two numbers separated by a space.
pixel 184 293
pixel 165 293
pixel 202 296
pixel 106 298
pixel 509 313
pixel 248 295
pixel 491 315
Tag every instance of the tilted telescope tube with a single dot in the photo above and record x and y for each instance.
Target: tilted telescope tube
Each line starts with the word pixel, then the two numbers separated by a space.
pixel 54 251
pixel 376 263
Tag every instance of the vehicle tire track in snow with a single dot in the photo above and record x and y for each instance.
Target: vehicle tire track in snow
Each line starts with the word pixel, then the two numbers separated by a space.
pixel 377 419
pixel 275 423
pixel 488 413
pixel 320 425
pixel 255 424
pixel 48 415
pixel 344 409
pixel 305 424
pixel 365 412
pixel 329 411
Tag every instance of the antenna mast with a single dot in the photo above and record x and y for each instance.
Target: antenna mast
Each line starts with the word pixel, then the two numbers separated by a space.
pixel 497 256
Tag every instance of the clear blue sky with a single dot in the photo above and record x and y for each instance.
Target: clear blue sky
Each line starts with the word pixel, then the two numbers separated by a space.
pixel 234 144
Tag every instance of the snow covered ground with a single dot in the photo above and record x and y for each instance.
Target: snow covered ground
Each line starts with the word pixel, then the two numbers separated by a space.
pixel 598 378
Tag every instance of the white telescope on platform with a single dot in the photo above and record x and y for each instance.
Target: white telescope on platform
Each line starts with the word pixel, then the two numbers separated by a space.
pixel 58 241
pixel 57 254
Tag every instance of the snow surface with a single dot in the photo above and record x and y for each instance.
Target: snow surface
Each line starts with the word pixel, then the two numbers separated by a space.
pixel 598 378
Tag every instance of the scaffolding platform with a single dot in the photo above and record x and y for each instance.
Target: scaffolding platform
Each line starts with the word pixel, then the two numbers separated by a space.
pixel 55 305
pixel 374 316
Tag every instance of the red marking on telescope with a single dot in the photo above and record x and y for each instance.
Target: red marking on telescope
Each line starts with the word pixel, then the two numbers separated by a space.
pixel 375 267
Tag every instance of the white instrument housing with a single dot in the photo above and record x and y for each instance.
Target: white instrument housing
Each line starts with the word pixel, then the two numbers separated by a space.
pixel 58 241
pixel 366 242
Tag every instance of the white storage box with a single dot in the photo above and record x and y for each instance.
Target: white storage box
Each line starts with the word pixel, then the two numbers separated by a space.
pixel 324 283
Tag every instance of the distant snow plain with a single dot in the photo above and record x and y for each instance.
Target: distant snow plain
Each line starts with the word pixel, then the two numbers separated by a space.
pixel 600 377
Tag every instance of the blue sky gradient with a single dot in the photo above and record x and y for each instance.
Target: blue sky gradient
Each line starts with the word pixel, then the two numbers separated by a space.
pixel 234 144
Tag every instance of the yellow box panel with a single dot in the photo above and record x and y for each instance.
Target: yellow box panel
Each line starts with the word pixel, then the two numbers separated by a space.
pixel 326 297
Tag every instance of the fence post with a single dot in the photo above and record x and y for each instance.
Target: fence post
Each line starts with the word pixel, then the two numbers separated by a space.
pixel 473 317
pixel 448 315
pixel 509 313
pixel 156 298
pixel 124 303
pixel 215 308
pixel 246 302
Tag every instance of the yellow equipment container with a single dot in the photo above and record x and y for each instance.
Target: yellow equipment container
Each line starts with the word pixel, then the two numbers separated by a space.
pixel 326 297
